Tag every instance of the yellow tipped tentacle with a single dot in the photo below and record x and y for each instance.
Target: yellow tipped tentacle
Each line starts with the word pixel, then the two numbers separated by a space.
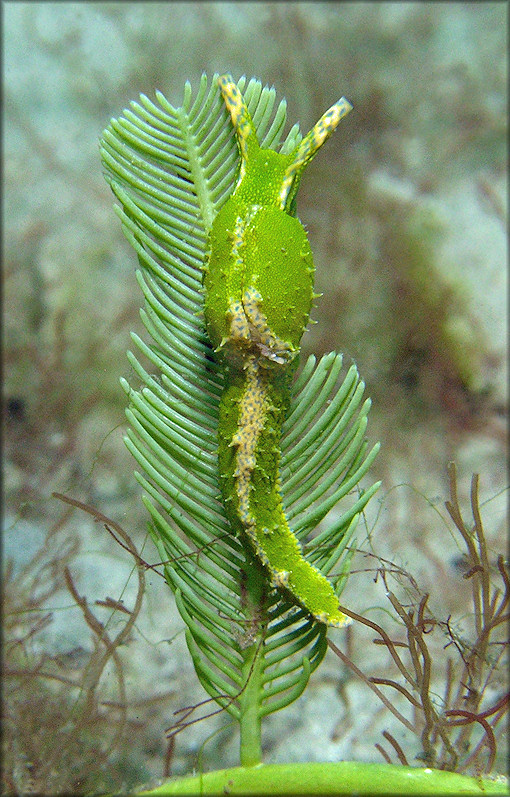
pixel 309 145
pixel 241 119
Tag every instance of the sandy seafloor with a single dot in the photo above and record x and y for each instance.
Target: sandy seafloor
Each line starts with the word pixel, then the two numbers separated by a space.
pixel 405 210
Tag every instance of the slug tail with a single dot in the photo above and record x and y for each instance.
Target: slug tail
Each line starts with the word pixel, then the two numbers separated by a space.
pixel 252 410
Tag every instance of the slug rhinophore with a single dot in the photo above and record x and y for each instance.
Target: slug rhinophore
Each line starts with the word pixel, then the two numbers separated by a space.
pixel 258 294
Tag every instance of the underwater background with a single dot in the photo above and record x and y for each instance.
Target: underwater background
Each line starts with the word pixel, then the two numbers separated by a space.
pixel 406 214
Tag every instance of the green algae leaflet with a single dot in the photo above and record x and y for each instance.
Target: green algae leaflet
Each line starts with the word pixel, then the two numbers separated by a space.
pixel 258 283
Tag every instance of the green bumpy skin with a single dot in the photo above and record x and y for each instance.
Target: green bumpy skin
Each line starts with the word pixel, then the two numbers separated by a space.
pixel 258 295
